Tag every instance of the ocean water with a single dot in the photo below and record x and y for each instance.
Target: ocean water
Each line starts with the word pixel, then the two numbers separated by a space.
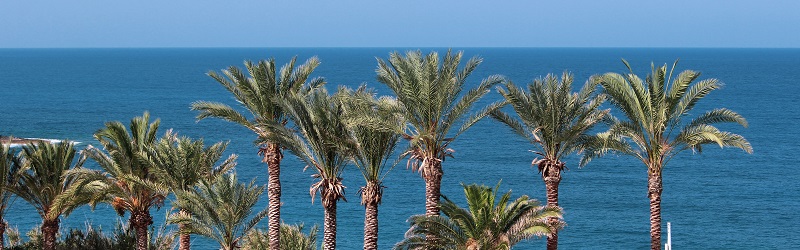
pixel 720 199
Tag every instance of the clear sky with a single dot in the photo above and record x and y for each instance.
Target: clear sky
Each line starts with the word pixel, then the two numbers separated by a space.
pixel 415 23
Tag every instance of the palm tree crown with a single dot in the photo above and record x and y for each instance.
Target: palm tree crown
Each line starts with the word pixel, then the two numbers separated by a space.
pixel 552 117
pixel 656 131
pixel 219 209
pixel 486 223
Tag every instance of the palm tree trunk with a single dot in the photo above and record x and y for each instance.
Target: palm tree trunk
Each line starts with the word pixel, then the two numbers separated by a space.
pixel 49 230
pixel 140 220
pixel 654 192
pixel 185 239
pixel 329 236
pixel 272 157
pixel 551 182
pixel 433 183
pixel 2 233
pixel 371 198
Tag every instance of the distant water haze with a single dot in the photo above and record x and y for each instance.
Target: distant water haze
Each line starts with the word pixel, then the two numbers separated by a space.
pixel 713 199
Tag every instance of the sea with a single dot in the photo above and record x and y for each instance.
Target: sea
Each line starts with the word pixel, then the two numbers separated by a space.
pixel 717 199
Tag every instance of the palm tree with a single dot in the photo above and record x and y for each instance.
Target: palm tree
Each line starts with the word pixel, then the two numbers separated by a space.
pixel 556 121
pixel 321 141
pixel 126 178
pixel 655 131
pixel 8 162
pixel 41 180
pixel 219 210
pixel 486 223
pixel 181 163
pixel 430 93
pixel 257 93
pixel 375 125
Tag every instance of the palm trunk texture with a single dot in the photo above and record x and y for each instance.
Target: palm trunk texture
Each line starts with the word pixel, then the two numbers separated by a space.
pixel 329 236
pixel 2 233
pixel 433 184
pixel 273 158
pixel 140 221
pixel 654 192
pixel 551 182
pixel 185 239
pixel 49 230
pixel 371 225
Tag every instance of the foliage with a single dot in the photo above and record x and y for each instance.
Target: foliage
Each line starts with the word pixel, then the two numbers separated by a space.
pixel 552 117
pixel 655 130
pixel 180 162
pixel 292 237
pixel 258 92
pixel 8 162
pixel 488 222
pixel 219 210
pixel 41 178
pixel 429 90
pixel 92 238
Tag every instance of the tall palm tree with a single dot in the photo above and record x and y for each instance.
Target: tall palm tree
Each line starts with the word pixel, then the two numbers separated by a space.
pixel 41 180
pixel 219 210
pixel 487 222
pixel 257 94
pixel 656 130
pixel 556 121
pixel 321 141
pixel 375 125
pixel 8 162
pixel 429 89
pixel 123 181
pixel 181 163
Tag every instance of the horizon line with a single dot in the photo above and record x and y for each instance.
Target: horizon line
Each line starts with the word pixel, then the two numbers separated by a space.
pixel 380 47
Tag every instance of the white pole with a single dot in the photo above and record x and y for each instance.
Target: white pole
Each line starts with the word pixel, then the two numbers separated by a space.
pixel 668 246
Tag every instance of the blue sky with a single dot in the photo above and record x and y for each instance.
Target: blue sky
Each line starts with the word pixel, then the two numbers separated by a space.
pixel 377 23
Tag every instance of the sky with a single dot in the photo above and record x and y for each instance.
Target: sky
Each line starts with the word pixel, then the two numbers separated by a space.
pixel 413 23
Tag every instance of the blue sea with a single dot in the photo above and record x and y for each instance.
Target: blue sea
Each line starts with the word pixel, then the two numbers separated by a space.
pixel 720 199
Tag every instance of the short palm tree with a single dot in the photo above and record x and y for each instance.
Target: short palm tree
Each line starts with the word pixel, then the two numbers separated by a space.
pixel 41 180
pixel 219 210
pixel 321 140
pixel 430 91
pixel 124 176
pixel 656 130
pixel 8 162
pixel 293 237
pixel 486 223
pixel 257 94
pixel 375 125
pixel 181 163
pixel 556 121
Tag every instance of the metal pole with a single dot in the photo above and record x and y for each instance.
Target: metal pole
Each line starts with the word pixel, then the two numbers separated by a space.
pixel 668 246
